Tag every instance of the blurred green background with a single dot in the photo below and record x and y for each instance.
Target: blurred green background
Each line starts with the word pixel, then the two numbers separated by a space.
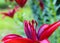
pixel 32 10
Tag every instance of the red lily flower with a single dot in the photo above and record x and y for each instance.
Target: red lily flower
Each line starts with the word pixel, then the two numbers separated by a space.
pixel 11 12
pixel 32 36
pixel 21 3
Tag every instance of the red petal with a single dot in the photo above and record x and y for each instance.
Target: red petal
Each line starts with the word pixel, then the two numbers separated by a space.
pixel 42 29
pixel 41 4
pixel 18 40
pixel 21 3
pixel 29 30
pixel 11 13
pixel 5 13
pixel 11 36
pixel 45 41
pixel 50 30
